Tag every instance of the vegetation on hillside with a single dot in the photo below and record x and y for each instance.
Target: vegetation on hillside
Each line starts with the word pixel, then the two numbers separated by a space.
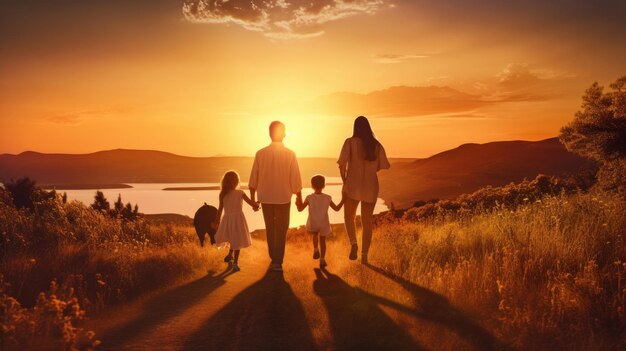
pixel 126 212
pixel 547 275
pixel 63 260
pixel 598 132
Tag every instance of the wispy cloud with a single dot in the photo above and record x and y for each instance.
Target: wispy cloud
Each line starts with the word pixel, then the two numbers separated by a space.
pixel 402 101
pixel 395 58
pixel 78 117
pixel 524 75
pixel 278 19
pixel 514 84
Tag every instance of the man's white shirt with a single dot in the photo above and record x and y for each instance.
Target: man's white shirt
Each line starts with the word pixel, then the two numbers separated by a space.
pixel 275 174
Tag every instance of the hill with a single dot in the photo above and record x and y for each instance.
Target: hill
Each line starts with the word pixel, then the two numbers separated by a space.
pixel 136 166
pixel 470 167
pixel 105 169
pixel 464 169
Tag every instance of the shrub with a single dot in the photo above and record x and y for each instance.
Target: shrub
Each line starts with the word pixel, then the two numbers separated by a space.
pixel 489 198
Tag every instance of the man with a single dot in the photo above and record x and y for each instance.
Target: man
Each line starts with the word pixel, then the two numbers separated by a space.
pixel 275 177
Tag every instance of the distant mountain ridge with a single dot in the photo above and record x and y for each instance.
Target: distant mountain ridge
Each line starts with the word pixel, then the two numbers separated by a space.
pixel 470 167
pixel 448 174
pixel 136 166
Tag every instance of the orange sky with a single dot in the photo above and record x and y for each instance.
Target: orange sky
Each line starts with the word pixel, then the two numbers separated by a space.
pixel 206 79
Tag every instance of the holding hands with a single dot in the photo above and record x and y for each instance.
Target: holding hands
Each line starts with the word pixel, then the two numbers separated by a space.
pixel 299 204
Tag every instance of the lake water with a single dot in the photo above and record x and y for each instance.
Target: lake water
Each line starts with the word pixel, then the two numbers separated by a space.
pixel 152 199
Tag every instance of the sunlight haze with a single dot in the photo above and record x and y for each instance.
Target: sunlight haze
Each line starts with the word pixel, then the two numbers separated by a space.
pixel 80 77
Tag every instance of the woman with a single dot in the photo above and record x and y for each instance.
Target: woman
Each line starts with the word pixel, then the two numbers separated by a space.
pixel 362 156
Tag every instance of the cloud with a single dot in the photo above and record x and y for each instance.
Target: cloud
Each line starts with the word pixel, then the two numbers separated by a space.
pixel 517 82
pixel 78 117
pixel 278 19
pixel 401 101
pixel 523 75
pixel 523 82
pixel 394 58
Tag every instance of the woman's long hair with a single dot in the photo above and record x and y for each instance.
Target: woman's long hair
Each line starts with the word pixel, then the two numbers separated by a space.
pixel 363 131
pixel 230 181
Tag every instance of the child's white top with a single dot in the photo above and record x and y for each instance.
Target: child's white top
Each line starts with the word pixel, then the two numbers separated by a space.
pixel 318 221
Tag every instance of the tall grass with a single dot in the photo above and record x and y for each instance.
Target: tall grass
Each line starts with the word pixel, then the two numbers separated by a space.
pixel 548 273
pixel 77 260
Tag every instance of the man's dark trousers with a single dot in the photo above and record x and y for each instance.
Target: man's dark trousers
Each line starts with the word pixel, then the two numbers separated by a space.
pixel 276 224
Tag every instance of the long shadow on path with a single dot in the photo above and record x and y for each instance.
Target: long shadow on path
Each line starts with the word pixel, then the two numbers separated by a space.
pixel 161 308
pixel 265 316
pixel 436 308
pixel 356 320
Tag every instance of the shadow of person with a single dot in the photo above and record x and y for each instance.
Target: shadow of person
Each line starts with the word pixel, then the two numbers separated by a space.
pixel 265 316
pixel 161 308
pixel 356 320
pixel 436 308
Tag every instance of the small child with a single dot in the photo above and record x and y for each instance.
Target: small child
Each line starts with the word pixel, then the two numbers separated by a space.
pixel 233 228
pixel 318 222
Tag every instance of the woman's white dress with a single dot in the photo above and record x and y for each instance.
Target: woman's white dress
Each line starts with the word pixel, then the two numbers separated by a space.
pixel 361 182
pixel 233 227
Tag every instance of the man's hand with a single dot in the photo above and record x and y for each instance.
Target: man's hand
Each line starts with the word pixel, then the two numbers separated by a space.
pixel 253 194
pixel 256 206
pixel 298 200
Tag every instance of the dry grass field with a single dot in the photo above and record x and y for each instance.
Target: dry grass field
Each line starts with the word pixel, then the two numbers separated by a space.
pixel 546 275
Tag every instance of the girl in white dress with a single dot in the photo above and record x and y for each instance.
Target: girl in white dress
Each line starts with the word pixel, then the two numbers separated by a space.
pixel 233 228
pixel 318 223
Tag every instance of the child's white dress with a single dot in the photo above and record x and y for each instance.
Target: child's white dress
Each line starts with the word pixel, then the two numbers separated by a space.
pixel 318 221
pixel 233 227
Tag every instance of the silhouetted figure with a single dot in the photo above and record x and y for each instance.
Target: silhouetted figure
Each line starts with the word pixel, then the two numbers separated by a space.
pixel 204 222
pixel 362 156
pixel 233 227
pixel 265 316
pixel 275 176
pixel 318 223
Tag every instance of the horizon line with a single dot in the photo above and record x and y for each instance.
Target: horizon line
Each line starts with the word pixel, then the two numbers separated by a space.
pixel 252 156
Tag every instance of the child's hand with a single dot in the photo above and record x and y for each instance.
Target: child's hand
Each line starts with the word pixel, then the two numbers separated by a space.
pixel 256 206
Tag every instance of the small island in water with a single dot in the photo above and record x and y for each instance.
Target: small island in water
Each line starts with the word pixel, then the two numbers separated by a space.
pixel 214 187
pixel 196 188
pixel 85 186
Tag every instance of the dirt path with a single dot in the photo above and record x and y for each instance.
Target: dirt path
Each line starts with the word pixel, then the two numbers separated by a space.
pixel 349 306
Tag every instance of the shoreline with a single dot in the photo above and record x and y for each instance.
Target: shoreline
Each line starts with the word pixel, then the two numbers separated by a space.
pixel 85 186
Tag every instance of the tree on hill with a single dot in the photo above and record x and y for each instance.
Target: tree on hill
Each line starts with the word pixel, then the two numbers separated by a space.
pixel 100 203
pixel 118 206
pixel 126 212
pixel 23 191
pixel 598 132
